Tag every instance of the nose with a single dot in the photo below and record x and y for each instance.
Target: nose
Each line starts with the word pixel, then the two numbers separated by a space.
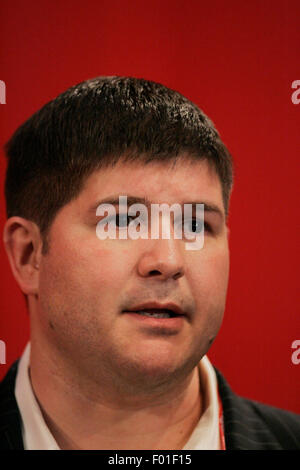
pixel 162 259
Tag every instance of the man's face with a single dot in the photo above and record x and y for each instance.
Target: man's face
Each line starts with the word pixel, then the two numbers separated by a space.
pixel 87 284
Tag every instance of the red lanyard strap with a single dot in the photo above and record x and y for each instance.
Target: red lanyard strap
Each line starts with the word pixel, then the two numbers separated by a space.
pixel 221 424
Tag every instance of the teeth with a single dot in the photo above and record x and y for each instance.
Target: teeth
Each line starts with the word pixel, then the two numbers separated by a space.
pixel 154 315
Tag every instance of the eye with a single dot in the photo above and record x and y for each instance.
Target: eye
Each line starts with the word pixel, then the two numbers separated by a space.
pixel 196 226
pixel 123 220
pixel 193 225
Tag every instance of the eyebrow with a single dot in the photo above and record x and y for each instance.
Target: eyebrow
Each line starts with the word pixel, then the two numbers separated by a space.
pixel 114 201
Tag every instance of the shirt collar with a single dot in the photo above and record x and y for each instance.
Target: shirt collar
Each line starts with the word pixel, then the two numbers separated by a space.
pixel 206 435
pixel 36 435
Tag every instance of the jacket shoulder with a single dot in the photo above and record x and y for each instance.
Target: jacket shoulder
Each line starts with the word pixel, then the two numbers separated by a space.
pixel 283 424
pixel 10 419
pixel 7 386
pixel 251 425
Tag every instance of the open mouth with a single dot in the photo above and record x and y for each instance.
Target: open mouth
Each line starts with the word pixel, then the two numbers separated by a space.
pixel 156 313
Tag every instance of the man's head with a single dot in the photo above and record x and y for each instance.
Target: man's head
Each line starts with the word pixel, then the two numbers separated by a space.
pixel 104 138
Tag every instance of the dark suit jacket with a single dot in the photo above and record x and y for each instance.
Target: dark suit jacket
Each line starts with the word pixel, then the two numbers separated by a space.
pixel 249 425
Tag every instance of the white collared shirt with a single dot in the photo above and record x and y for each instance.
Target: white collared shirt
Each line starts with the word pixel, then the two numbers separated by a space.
pixel 37 436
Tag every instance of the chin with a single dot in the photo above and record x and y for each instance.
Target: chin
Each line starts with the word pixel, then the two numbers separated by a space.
pixel 161 367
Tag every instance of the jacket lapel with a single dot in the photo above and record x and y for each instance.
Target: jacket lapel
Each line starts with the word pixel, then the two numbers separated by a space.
pixel 244 425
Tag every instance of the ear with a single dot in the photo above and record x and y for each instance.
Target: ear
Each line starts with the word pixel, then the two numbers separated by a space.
pixel 23 246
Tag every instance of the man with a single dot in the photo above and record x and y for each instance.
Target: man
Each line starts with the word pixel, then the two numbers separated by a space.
pixel 120 325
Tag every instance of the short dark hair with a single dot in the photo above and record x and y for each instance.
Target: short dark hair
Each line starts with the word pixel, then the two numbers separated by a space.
pixel 95 124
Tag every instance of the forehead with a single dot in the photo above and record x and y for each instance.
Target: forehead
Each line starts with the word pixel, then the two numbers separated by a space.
pixel 158 182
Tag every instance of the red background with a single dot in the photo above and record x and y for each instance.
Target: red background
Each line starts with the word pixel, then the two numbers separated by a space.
pixel 237 61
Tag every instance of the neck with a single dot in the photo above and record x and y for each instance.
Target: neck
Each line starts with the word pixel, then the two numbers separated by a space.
pixel 85 416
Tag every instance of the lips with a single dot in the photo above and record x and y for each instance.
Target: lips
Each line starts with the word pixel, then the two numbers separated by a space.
pixel 153 307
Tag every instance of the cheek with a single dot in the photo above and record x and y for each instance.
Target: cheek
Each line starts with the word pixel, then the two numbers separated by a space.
pixel 209 286
pixel 76 285
pixel 219 274
pixel 210 278
pixel 86 268
pixel 107 266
